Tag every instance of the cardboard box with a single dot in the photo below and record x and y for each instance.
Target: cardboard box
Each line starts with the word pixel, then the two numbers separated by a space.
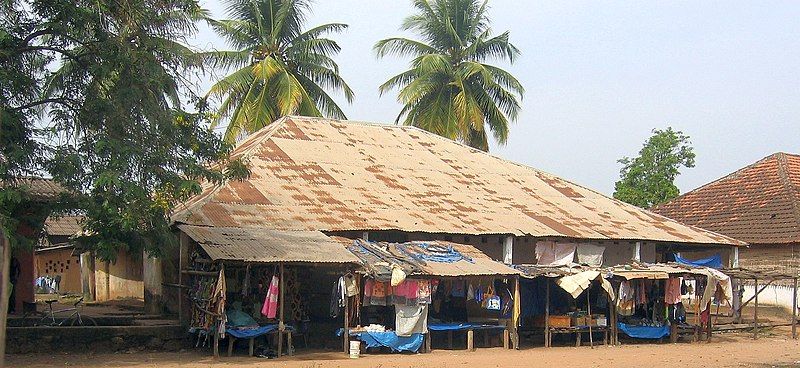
pixel 560 321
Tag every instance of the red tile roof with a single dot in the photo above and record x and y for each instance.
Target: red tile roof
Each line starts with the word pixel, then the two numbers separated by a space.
pixel 759 204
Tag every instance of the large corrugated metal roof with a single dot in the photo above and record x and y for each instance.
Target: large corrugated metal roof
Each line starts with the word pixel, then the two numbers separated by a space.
pixel 378 258
pixel 329 175
pixel 270 246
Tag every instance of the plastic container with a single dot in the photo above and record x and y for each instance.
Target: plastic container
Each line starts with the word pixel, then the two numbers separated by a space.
pixel 355 349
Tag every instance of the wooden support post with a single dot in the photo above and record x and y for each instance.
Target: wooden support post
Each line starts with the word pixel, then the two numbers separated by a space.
pixel 794 309
pixel 289 345
pixel 547 315
pixel 755 312
pixel 615 318
pixel 506 342
pixel 673 332
pixel 346 333
pixel 589 312
pixel 516 315
pixel 709 323
pixel 231 342
pixel 281 323
pixel 450 340
pixel 470 340
pixel 428 338
pixel 184 306
pixel 216 343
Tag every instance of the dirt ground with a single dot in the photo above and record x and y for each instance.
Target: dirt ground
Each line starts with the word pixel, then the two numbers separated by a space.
pixel 726 350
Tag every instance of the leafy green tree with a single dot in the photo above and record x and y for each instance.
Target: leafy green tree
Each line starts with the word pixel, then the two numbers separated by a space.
pixel 280 69
pixel 450 90
pixel 124 140
pixel 649 179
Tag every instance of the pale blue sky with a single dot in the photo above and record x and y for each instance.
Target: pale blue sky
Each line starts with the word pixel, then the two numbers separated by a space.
pixel 601 75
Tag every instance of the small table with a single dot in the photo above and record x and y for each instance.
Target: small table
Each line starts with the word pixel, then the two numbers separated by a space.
pixel 252 333
pixel 470 328
pixel 578 331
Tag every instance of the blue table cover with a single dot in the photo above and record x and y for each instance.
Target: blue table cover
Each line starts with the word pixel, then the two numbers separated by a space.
pixel 461 326
pixel 644 332
pixel 388 339
pixel 253 332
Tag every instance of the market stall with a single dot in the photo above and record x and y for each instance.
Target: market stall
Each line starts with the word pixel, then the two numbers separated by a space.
pixel 568 300
pixel 409 291
pixel 652 299
pixel 247 284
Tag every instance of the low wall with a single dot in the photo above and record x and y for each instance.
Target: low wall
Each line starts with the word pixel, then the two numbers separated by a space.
pixel 24 340
pixel 778 295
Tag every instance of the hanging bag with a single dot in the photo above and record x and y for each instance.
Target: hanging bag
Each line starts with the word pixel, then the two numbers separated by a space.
pixel 491 301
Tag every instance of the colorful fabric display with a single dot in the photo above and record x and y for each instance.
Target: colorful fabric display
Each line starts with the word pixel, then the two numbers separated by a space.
pixel 270 308
pixel 672 293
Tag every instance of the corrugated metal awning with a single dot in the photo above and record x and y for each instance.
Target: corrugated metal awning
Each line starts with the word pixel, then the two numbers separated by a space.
pixel 268 246
pixel 378 258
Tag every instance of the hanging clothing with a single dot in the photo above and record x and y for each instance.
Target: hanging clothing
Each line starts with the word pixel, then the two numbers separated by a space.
pixel 246 282
pixel 555 254
pixel 590 254
pixel 625 303
pixel 335 305
pixel 379 291
pixel 641 292
pixel 351 287
pixel 411 319
pixel 216 303
pixel 458 290
pixel 424 292
pixel 672 293
pixel 270 308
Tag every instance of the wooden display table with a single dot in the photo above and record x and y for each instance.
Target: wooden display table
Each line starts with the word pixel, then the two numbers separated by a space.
pixel 578 331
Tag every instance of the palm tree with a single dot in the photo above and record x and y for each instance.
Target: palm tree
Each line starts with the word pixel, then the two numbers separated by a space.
pixel 449 89
pixel 280 69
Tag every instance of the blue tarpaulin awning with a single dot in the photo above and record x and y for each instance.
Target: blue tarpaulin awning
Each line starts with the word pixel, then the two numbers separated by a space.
pixel 714 261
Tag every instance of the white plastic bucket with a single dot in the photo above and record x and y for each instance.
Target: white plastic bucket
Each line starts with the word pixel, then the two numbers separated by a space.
pixel 355 349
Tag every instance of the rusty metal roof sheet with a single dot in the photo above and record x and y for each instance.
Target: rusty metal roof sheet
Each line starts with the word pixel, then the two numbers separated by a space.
pixel 535 270
pixel 655 271
pixel 270 246
pixel 37 188
pixel 329 175
pixel 419 258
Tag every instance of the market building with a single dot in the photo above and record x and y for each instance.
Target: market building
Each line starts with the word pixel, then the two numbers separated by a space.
pixel 397 185
pixel 758 204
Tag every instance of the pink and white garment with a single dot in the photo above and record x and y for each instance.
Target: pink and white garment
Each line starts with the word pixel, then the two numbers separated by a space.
pixel 270 308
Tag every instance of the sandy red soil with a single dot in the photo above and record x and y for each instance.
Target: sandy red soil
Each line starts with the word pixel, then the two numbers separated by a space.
pixel 728 350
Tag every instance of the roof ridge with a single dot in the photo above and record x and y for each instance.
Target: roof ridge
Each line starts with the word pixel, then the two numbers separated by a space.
pixel 789 188
pixel 720 179
pixel 254 141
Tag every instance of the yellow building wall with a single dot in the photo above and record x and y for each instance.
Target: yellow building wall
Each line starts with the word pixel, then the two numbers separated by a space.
pixel 119 280
pixel 60 262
